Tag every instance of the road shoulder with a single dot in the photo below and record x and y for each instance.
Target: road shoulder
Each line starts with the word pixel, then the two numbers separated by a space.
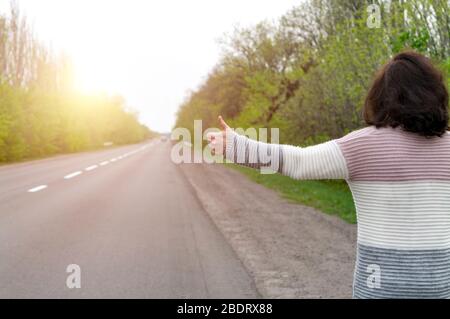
pixel 292 251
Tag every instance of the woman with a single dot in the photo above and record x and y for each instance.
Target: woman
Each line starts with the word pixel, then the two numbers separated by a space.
pixel 398 169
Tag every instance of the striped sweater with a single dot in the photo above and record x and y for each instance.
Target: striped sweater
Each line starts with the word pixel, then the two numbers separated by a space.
pixel 400 183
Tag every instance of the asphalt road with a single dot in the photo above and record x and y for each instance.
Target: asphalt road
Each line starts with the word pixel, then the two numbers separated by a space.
pixel 134 226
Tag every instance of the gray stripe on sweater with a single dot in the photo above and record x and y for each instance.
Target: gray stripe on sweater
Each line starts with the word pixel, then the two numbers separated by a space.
pixel 403 273
pixel 235 149
pixel 246 159
pixel 241 154
pixel 280 160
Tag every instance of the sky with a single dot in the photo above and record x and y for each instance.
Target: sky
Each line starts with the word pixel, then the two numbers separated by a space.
pixel 150 52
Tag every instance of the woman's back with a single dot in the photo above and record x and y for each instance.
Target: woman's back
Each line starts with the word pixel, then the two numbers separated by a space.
pixel 401 186
pixel 398 169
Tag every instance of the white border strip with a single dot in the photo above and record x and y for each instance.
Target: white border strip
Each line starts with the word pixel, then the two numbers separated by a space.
pixel 37 188
pixel 72 175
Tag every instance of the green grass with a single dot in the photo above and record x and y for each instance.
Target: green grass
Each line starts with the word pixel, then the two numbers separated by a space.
pixel 331 197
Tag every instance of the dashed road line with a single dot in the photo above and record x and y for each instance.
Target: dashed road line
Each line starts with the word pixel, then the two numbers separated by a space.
pixel 72 175
pixel 90 168
pixel 37 189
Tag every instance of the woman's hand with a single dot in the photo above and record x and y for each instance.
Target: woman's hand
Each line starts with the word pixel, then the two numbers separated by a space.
pixel 217 141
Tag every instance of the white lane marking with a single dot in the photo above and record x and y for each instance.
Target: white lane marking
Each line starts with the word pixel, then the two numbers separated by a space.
pixel 72 175
pixel 90 168
pixel 37 188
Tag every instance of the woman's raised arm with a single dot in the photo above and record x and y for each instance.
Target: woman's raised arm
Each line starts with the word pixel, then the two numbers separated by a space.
pixel 322 161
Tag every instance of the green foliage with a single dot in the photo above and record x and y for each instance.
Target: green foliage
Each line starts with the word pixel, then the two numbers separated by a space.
pixel 35 124
pixel 308 73
pixel 415 39
pixel 445 66
pixel 40 113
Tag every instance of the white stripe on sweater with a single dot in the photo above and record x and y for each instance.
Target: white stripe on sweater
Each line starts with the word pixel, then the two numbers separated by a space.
pixel 323 161
pixel 403 215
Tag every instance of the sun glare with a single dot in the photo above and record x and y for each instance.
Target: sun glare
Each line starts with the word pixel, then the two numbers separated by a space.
pixel 149 52
pixel 94 77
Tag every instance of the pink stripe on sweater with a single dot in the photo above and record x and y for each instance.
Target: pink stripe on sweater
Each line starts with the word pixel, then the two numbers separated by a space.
pixel 388 154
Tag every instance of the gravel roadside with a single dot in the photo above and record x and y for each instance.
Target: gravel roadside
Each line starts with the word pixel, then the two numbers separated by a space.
pixel 291 250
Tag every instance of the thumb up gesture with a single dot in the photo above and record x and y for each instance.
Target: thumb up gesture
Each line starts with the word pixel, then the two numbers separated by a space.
pixel 217 141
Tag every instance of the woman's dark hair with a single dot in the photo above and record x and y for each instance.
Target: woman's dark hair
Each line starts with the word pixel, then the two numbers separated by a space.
pixel 409 92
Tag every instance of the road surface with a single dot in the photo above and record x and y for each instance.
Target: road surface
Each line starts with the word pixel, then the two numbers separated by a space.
pixel 291 250
pixel 127 216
